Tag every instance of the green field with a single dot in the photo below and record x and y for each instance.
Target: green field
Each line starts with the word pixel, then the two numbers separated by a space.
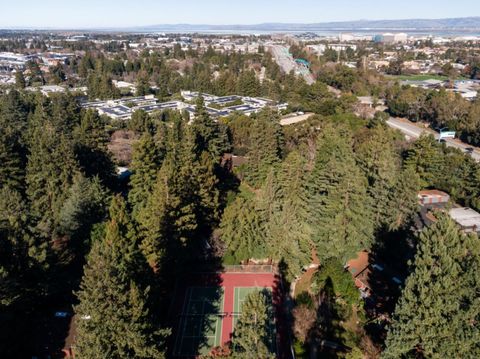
pixel 200 326
pixel 420 77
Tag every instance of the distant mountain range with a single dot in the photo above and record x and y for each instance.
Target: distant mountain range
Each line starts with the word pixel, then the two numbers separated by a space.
pixel 453 24
pixel 466 25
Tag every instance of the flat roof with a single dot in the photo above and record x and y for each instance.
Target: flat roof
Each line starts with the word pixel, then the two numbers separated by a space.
pixel 466 217
pixel 116 110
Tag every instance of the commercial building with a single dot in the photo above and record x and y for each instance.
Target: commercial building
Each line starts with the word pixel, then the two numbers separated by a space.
pixel 389 38
pixel 319 49
pixel 347 37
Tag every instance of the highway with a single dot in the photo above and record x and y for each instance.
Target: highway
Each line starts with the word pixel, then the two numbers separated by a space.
pixel 287 63
pixel 412 130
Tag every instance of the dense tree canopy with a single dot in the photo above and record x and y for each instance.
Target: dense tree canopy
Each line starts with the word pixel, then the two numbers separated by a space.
pixel 437 315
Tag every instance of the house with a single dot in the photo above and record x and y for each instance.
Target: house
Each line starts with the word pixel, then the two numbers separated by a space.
pixel 429 200
pixel 467 218
pixel 124 85
pixel 432 196
pixel 360 270
pixel 230 161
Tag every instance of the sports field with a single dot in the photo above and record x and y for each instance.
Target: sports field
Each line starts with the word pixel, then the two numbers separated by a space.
pixel 200 327
pixel 209 307
pixel 241 294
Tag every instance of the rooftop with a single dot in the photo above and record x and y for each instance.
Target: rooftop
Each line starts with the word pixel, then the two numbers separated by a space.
pixel 467 218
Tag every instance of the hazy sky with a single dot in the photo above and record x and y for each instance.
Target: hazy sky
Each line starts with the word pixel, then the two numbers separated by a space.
pixel 106 13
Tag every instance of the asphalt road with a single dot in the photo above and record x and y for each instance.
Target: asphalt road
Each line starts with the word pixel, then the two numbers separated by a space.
pixel 287 63
pixel 412 130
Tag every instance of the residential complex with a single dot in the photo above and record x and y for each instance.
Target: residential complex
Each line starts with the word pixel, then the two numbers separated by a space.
pixel 216 106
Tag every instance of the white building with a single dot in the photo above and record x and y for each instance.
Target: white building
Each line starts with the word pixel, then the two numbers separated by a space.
pixel 390 38
pixel 466 218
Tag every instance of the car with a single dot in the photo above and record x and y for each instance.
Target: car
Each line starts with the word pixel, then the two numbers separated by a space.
pixel 378 267
pixel 469 149
pixel 397 280
pixel 61 314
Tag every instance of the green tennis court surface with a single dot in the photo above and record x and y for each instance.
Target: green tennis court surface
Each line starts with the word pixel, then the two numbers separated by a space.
pixel 201 322
pixel 240 294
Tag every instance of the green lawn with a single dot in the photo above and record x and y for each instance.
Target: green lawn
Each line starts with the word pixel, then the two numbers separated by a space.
pixel 420 77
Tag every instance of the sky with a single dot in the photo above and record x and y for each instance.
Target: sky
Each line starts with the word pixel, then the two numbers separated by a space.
pixel 74 14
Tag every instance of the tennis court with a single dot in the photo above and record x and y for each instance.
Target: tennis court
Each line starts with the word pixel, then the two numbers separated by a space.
pixel 200 327
pixel 208 305
pixel 240 294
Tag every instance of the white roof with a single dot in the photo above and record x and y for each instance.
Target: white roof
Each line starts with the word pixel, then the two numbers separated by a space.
pixel 466 217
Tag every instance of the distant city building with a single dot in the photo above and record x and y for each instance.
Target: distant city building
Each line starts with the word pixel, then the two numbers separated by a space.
pixel 319 49
pixel 389 38
pixel 347 37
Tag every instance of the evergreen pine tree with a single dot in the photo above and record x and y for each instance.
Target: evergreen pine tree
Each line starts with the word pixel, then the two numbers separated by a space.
pixel 20 82
pixel 208 134
pixel 208 193
pixel 266 147
pixel 243 230
pixel 248 84
pixel 13 124
pixel 23 257
pixel 146 162
pixel 12 161
pixel 84 206
pixel 113 318
pixel 403 199
pixel 90 144
pixel 439 310
pixel 340 214
pixel 288 230
pixel 154 220
pixel 426 159
pixel 381 165
pixel 142 85
pixel 252 335
pixel 51 167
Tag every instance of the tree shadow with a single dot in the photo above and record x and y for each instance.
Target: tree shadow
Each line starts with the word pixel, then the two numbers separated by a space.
pixel 190 286
pixel 387 272
pixel 283 304
pixel 327 335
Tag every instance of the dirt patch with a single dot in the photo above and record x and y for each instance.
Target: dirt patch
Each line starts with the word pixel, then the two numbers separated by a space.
pixel 304 282
pixel 120 146
pixel 315 259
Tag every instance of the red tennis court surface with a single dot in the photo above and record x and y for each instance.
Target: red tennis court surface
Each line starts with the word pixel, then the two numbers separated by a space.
pixel 228 281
